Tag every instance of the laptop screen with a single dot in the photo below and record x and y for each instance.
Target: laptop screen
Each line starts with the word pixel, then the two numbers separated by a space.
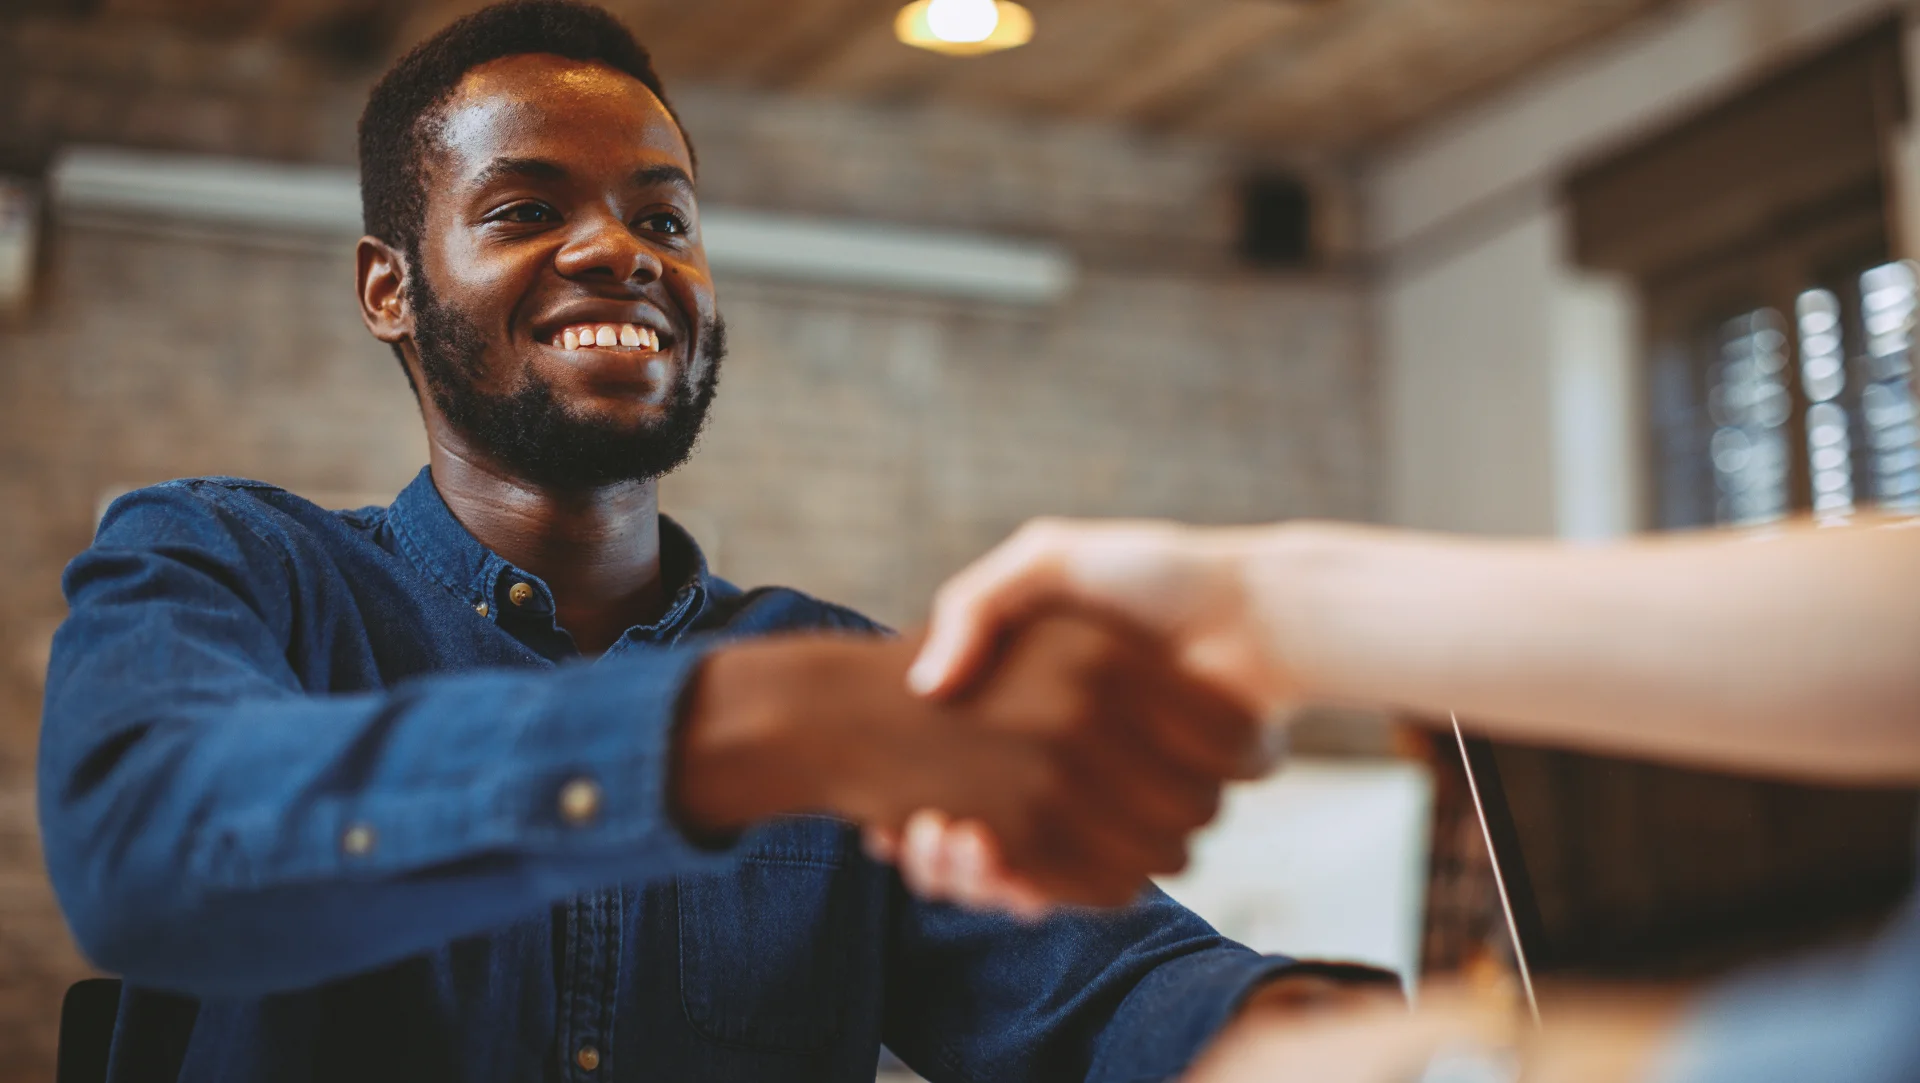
pixel 1623 869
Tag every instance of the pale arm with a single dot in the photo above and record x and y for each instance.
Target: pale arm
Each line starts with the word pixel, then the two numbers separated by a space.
pixel 1794 652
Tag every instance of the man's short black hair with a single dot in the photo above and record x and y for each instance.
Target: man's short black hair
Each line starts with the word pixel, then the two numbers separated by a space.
pixel 397 125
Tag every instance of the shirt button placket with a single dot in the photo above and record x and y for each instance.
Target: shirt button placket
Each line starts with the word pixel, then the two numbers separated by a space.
pixel 591 980
pixel 594 934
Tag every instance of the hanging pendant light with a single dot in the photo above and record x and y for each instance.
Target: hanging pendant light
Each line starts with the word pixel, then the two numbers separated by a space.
pixel 964 27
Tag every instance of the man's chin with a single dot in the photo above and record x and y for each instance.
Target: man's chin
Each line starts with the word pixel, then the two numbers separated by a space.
pixel 595 459
pixel 620 419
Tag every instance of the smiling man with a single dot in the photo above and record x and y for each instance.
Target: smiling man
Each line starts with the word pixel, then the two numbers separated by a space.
pixel 499 783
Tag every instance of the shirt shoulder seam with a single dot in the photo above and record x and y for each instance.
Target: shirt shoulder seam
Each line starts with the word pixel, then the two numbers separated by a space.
pixel 220 493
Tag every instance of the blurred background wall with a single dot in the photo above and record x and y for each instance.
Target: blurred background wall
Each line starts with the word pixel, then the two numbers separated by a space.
pixel 1435 354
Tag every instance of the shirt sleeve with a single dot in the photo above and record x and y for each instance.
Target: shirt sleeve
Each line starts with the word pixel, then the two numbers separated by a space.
pixel 213 827
pixel 1846 1017
pixel 1129 996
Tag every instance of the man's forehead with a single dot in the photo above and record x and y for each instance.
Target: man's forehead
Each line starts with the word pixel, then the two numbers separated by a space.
pixel 517 104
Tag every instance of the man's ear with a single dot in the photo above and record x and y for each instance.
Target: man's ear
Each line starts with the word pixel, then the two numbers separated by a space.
pixel 381 275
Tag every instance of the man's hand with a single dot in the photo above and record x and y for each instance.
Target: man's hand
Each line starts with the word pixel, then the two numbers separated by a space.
pixel 1084 752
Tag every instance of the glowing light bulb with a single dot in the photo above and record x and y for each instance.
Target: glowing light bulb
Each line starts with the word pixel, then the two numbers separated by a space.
pixel 964 27
pixel 963 20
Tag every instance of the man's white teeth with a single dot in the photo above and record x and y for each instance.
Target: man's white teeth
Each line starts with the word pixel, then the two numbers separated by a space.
pixel 607 335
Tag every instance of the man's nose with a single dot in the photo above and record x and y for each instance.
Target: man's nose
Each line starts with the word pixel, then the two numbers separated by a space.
pixel 603 246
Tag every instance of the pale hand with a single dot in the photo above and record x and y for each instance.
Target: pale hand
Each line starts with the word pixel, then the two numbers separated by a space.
pixel 1184 584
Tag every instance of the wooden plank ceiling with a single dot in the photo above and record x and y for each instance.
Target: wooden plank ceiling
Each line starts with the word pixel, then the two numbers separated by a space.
pixel 1308 74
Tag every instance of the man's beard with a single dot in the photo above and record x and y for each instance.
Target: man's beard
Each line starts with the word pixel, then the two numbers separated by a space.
pixel 533 434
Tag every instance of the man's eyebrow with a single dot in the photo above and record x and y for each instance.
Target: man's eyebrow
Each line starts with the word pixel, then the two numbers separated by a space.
pixel 666 173
pixel 541 169
pixel 525 168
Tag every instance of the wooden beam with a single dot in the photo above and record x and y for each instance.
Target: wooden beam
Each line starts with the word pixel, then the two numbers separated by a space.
pixel 1172 61
pixel 870 62
pixel 1402 63
pixel 703 41
pixel 1240 79
pixel 820 26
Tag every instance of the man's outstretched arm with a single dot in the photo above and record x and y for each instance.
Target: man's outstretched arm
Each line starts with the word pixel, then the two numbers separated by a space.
pixel 213 824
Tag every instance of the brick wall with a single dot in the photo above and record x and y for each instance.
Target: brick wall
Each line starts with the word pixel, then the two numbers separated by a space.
pixel 863 445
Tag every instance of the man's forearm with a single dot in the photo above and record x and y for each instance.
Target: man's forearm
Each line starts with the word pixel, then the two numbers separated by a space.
pixel 274 841
pixel 1786 652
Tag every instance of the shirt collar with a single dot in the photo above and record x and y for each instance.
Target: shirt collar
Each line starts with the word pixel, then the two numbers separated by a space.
pixel 436 543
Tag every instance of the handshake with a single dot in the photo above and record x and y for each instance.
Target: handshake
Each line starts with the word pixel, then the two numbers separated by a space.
pixel 1070 746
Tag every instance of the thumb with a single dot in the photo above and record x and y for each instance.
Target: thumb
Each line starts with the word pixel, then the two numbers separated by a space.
pixel 993 593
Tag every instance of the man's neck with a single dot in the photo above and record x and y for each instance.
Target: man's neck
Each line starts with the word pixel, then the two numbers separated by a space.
pixel 598 549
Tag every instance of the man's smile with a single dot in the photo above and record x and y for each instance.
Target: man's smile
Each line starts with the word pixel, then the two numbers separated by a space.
pixel 618 357
pixel 621 337
pixel 625 328
pixel 627 344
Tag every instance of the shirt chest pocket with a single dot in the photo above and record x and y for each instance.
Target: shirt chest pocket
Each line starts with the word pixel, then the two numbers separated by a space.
pixel 765 951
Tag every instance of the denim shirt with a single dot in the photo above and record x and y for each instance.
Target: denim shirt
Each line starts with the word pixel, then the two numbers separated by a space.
pixel 340 800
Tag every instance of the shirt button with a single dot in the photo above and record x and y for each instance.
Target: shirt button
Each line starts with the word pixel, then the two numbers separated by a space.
pixel 588 1058
pixel 483 609
pixel 357 841
pixel 520 594
pixel 580 801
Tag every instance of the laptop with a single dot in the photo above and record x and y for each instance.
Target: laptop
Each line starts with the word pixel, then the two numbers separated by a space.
pixel 1616 869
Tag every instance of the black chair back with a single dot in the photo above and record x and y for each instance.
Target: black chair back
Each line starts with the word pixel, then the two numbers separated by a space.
pixel 86 1030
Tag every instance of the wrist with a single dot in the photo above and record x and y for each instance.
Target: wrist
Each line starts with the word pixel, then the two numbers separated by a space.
pixel 789 725
pixel 1284 573
pixel 730 740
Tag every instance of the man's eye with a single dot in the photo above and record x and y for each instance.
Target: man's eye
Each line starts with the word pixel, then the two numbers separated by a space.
pixel 526 214
pixel 665 222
